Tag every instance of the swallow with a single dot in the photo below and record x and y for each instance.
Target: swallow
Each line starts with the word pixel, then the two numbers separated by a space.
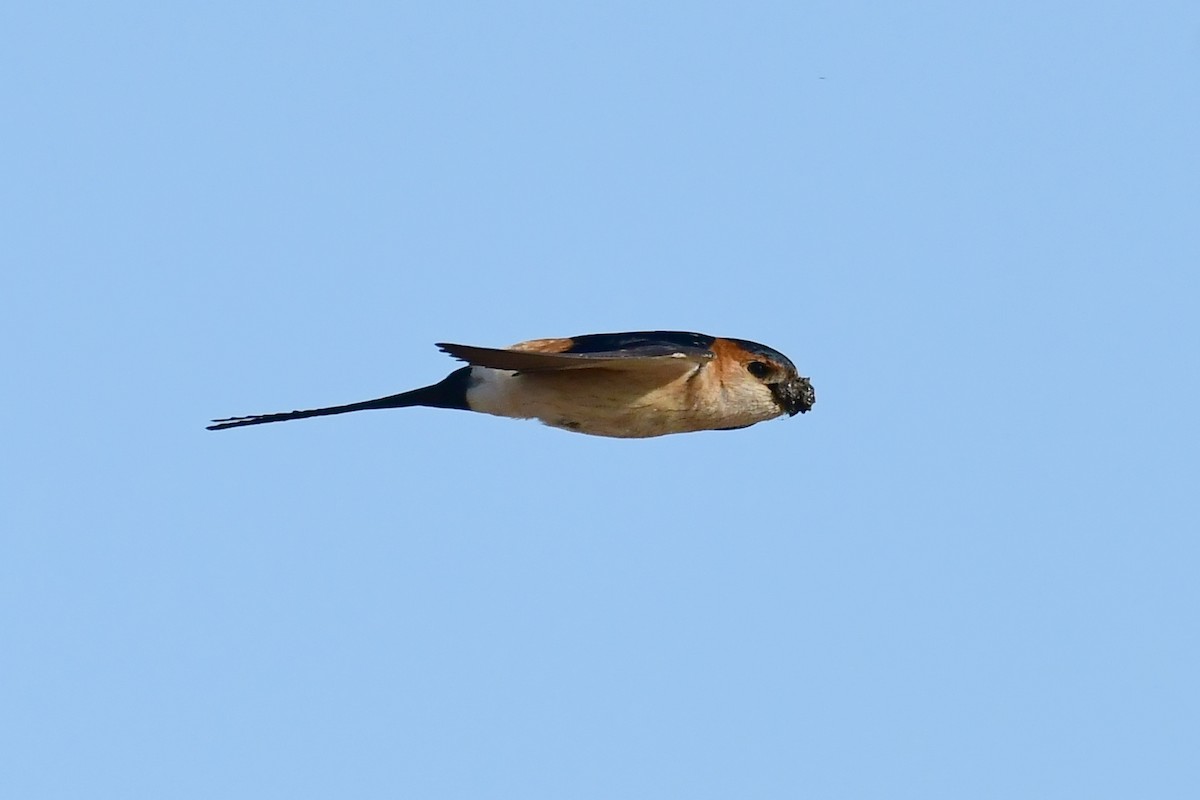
pixel 626 385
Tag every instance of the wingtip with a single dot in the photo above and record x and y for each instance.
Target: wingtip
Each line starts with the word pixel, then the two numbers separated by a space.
pixel 452 350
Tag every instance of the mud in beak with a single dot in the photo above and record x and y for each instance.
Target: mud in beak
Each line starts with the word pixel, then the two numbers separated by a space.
pixel 795 396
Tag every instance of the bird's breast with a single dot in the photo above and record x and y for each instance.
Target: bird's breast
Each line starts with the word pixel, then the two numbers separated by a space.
pixel 619 403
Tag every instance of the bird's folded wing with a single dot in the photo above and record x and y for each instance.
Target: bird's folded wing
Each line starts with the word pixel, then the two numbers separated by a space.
pixel 642 357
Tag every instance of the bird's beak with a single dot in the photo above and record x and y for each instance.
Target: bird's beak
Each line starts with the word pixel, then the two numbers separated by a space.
pixel 794 396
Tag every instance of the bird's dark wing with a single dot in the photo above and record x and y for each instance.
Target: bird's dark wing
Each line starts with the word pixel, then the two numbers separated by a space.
pixel 656 350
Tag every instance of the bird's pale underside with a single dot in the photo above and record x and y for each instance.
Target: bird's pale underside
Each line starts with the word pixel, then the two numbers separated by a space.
pixel 627 385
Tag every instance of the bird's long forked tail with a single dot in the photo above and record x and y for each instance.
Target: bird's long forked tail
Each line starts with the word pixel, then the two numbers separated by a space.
pixel 394 401
pixel 449 393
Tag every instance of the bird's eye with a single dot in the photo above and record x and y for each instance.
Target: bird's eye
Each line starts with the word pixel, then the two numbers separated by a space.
pixel 758 369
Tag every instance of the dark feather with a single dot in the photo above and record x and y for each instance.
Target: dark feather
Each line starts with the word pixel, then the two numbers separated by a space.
pixel 610 351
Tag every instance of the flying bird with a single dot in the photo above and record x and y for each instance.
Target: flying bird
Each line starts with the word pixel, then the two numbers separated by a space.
pixel 627 385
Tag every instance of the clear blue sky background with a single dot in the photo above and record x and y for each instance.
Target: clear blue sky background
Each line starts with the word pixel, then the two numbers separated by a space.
pixel 971 572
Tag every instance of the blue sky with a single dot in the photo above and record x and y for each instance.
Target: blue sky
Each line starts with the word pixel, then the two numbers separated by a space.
pixel 971 571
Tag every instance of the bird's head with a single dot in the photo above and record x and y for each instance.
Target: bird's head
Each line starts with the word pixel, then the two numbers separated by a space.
pixel 792 392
